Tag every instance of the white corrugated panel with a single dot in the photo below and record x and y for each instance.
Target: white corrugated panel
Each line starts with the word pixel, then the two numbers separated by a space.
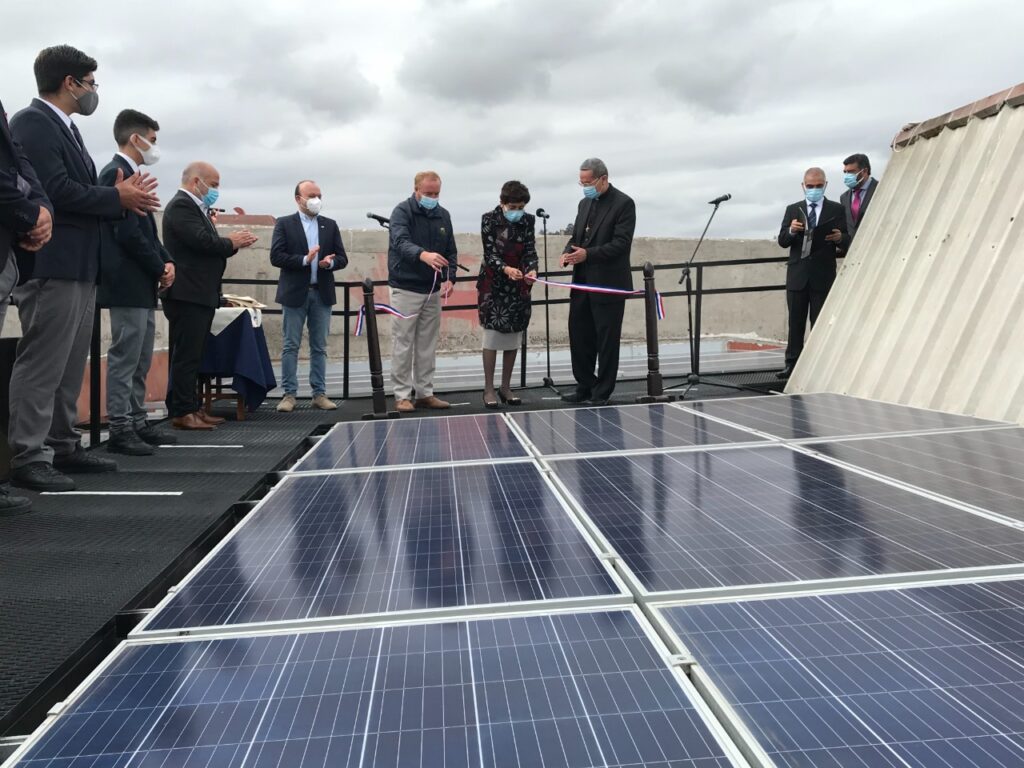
pixel 928 309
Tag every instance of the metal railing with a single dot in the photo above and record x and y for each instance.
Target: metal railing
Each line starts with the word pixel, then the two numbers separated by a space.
pixel 348 312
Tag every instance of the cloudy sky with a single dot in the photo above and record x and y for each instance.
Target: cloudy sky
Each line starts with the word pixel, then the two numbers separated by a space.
pixel 683 99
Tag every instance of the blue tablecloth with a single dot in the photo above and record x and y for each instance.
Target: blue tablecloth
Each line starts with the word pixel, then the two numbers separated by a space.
pixel 240 352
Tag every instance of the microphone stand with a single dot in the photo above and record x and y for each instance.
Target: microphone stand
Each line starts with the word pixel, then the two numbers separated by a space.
pixel 548 381
pixel 693 378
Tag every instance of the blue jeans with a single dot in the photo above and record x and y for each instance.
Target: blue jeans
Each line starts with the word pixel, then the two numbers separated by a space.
pixel 318 316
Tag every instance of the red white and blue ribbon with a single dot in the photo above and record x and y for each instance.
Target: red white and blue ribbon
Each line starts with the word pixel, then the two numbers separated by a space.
pixel 659 302
pixel 385 308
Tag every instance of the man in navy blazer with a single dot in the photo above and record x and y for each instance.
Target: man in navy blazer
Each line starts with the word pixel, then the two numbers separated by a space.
pixel 307 248
pixel 57 298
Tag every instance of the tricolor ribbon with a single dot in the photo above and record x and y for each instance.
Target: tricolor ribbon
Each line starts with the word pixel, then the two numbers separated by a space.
pixel 385 308
pixel 659 302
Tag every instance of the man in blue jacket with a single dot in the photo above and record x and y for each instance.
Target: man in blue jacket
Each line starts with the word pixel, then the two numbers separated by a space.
pixel 421 271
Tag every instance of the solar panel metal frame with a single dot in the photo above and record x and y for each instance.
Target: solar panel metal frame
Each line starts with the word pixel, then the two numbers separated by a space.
pixel 994 423
pixel 720 732
pixel 780 589
pixel 756 441
pixel 712 694
pixel 623 597
pixel 528 454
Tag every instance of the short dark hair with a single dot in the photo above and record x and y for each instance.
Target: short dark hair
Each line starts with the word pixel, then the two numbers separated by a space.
pixel 861 160
pixel 304 181
pixel 55 63
pixel 514 192
pixel 129 121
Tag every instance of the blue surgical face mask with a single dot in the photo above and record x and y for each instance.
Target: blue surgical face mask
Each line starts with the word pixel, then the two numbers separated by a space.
pixel 590 192
pixel 851 180
pixel 211 196
pixel 429 203
pixel 814 195
pixel 514 216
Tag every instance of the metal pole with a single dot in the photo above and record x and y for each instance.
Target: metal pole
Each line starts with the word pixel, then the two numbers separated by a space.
pixel 655 391
pixel 697 303
pixel 380 402
pixel 522 361
pixel 94 381
pixel 548 382
pixel 346 346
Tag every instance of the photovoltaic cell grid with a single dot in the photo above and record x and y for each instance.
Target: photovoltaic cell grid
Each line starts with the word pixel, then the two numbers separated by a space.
pixel 760 516
pixel 595 430
pixel 379 542
pixel 984 469
pixel 796 417
pixel 916 678
pixel 356 444
pixel 562 690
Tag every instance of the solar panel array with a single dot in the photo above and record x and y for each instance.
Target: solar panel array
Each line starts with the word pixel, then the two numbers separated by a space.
pixel 467 590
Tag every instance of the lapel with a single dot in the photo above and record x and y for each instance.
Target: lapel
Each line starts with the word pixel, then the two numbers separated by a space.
pixel 78 153
pixel 867 196
pixel 149 218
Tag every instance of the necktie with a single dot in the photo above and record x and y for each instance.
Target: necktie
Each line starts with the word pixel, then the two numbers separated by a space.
pixel 855 205
pixel 812 216
pixel 81 148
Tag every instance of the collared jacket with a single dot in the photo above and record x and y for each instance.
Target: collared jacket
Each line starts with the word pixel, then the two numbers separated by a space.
pixel 413 231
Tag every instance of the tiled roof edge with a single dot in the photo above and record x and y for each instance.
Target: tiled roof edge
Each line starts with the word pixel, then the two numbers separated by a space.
pixel 958 118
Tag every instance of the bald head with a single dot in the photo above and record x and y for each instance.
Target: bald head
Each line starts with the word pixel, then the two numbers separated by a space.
pixel 814 175
pixel 198 177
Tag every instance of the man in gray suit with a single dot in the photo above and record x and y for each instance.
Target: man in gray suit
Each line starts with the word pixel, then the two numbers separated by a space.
pixel 860 187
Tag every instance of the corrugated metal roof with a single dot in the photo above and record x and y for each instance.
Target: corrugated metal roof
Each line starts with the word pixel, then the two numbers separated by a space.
pixel 928 309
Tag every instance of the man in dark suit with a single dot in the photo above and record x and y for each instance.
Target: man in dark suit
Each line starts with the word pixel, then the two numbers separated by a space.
pixel 56 299
pixel 134 263
pixel 307 249
pixel 26 219
pixel 599 254
pixel 860 188
pixel 812 230
pixel 200 256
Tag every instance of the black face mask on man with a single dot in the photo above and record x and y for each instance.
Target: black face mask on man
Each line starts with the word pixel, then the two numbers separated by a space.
pixel 88 101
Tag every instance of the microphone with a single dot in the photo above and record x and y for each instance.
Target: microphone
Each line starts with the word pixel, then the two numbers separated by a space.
pixel 378 218
pixel 543 214
pixel 720 199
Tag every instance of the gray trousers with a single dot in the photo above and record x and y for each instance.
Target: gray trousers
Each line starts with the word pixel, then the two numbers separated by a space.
pixel 8 279
pixel 56 326
pixel 414 343
pixel 128 360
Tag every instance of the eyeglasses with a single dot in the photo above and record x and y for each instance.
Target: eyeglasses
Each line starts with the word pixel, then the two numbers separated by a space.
pixel 92 85
pixel 590 183
pixel 815 186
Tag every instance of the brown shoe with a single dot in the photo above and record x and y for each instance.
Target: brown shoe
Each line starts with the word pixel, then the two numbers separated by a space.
pixel 191 421
pixel 213 421
pixel 287 404
pixel 323 403
pixel 405 406
pixel 432 402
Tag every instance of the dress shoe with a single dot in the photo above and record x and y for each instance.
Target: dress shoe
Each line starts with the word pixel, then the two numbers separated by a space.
pixel 322 402
pixel 150 435
pixel 129 443
pixel 597 401
pixel 190 421
pixel 287 404
pixel 40 476
pixel 434 403
pixel 81 462
pixel 576 397
pixel 213 421
pixel 405 406
pixel 12 505
pixel 785 372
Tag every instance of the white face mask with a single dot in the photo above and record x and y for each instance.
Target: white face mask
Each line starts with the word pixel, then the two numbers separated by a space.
pixel 313 205
pixel 151 153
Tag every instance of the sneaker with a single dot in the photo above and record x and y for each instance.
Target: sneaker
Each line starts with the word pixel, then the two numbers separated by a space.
pixel 12 505
pixel 150 435
pixel 287 404
pixel 432 402
pixel 83 462
pixel 405 406
pixel 323 403
pixel 40 476
pixel 129 443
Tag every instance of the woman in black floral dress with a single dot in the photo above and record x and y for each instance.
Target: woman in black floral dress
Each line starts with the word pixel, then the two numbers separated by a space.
pixel 503 287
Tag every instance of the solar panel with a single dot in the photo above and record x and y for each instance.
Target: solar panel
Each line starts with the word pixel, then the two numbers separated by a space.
pixel 796 417
pixel 382 542
pixel 562 690
pixel 717 519
pixel 357 444
pixel 593 430
pixel 985 469
pixel 915 678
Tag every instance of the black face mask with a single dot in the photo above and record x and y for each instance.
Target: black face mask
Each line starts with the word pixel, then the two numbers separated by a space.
pixel 88 101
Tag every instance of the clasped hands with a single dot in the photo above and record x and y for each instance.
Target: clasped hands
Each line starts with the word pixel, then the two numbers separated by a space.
pixel 325 263
pixel 574 256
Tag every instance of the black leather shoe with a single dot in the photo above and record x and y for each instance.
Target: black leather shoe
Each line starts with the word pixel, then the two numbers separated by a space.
pixel 40 476
pixel 83 462
pixel 785 372
pixel 129 443
pixel 598 401
pixel 576 397
pixel 12 505
pixel 152 436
